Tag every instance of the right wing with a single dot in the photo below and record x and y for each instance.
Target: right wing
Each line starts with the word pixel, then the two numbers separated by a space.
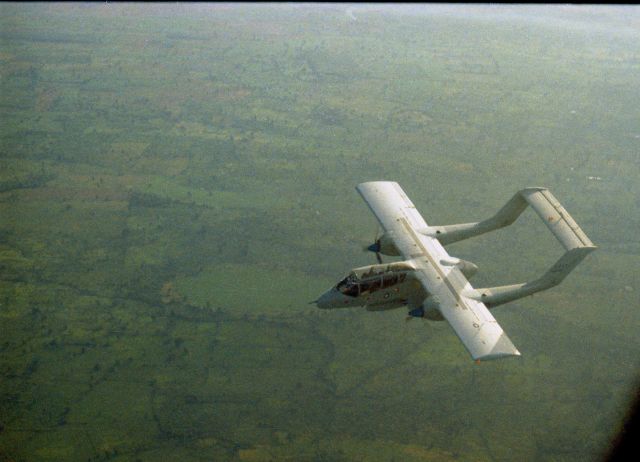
pixel 470 319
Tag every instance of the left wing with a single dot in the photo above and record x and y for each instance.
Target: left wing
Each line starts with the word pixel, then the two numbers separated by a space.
pixel 470 319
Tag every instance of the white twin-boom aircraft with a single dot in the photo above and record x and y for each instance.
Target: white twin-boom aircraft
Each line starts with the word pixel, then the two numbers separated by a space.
pixel 435 285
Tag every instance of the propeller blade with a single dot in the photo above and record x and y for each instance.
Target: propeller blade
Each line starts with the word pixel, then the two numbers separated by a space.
pixel 375 247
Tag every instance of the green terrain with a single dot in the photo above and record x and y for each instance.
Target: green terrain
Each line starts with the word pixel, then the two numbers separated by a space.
pixel 177 183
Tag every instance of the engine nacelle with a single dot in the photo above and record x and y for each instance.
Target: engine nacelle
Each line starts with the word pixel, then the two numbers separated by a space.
pixel 386 246
pixel 466 267
pixel 430 309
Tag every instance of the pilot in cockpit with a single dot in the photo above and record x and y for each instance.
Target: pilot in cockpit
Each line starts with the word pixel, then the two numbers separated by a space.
pixel 349 285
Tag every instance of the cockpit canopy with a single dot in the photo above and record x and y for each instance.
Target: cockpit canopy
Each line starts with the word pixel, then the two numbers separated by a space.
pixel 349 285
pixel 354 286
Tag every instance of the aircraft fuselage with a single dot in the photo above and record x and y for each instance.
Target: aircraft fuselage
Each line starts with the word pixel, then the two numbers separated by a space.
pixel 376 287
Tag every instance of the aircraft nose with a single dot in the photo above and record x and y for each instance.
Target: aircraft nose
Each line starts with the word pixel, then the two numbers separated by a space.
pixel 325 300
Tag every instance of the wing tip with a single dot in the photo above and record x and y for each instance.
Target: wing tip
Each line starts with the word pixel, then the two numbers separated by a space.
pixel 499 355
pixel 503 348
pixel 374 182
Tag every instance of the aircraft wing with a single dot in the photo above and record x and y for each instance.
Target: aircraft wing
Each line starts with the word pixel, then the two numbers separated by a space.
pixel 444 282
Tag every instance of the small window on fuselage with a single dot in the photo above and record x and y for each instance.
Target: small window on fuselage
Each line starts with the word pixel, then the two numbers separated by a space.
pixel 389 280
pixel 371 285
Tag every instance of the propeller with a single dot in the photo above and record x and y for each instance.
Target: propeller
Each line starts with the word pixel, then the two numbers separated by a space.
pixel 375 247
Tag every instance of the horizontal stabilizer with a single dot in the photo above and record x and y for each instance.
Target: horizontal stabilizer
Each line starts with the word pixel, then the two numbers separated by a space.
pixel 557 219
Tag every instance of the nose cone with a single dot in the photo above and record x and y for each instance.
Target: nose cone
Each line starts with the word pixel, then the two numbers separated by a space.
pixel 327 299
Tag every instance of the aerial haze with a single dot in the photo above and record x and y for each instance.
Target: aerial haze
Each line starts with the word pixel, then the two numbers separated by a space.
pixel 177 183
